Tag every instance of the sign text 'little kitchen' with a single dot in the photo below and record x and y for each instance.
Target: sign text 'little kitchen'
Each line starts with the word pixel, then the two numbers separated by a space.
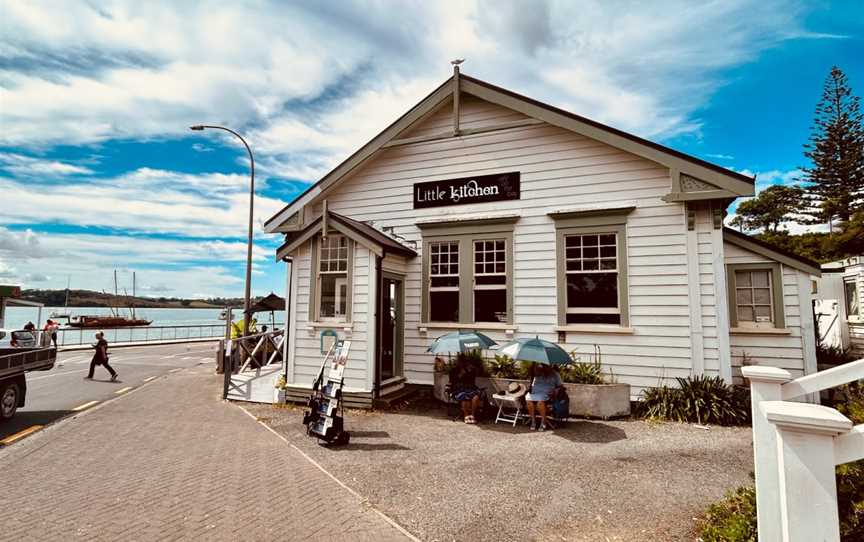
pixel 497 187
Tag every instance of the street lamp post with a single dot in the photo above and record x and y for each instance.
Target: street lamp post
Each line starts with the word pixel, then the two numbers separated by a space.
pixel 246 300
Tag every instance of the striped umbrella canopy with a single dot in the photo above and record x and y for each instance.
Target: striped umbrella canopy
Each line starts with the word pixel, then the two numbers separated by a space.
pixel 460 341
pixel 536 350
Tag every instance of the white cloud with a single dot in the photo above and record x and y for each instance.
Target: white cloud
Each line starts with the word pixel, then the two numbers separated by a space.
pixel 313 81
pixel 87 261
pixel 27 166
pixel 144 200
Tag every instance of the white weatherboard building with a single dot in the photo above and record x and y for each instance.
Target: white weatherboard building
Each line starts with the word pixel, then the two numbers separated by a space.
pixel 480 209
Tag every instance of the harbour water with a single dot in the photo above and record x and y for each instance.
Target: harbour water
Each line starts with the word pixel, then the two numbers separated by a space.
pixel 17 317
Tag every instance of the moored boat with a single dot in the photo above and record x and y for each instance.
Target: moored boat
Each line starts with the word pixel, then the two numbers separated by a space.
pixel 106 321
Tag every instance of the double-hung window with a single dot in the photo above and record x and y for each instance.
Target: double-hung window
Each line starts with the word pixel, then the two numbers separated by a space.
pixel 490 280
pixel 592 278
pixel 755 296
pixel 592 282
pixel 444 281
pixel 467 275
pixel 331 280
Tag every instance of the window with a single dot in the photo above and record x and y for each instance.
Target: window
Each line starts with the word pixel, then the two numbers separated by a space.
pixel 444 281
pixel 490 281
pixel 755 296
pixel 853 304
pixel 333 299
pixel 467 273
pixel 591 266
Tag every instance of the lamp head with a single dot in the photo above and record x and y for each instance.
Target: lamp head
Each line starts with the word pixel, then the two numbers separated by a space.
pixel 197 127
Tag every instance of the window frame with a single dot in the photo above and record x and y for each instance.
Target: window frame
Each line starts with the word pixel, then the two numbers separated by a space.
pixel 853 282
pixel 776 284
pixel 593 225
pixel 466 234
pixel 315 281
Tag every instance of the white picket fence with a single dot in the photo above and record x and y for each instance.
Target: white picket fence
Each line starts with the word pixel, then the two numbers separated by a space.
pixel 796 446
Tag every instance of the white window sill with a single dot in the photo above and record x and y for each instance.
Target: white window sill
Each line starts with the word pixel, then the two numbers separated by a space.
pixel 596 328
pixel 508 328
pixel 347 326
pixel 759 331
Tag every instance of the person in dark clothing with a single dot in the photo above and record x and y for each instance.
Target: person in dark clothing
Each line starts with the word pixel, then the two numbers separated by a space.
pixel 100 357
pixel 464 387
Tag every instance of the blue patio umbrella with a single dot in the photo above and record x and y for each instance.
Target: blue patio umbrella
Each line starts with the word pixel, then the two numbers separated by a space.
pixel 460 341
pixel 536 350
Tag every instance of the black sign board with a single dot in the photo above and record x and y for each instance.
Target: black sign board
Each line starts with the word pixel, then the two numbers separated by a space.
pixel 497 187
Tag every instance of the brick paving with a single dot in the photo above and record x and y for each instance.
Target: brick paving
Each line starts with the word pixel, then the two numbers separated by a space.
pixel 172 461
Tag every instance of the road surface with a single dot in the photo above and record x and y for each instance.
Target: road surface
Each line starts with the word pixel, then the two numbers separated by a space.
pixel 54 394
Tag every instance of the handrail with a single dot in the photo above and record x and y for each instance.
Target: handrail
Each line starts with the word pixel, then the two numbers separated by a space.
pixel 829 378
pixel 850 446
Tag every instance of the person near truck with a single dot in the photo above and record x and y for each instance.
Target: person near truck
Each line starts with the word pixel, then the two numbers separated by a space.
pixel 51 329
pixel 100 357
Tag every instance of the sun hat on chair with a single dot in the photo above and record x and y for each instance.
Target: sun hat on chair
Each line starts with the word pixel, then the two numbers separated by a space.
pixel 516 389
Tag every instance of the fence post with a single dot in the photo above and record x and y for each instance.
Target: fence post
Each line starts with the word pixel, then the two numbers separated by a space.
pixel 808 492
pixel 765 383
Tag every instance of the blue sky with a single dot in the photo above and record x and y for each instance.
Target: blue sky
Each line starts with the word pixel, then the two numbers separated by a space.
pixel 98 169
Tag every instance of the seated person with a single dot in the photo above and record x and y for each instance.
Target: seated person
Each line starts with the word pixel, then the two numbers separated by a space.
pixel 464 388
pixel 543 385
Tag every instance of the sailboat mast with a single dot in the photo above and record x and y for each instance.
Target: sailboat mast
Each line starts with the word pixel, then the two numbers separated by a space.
pixel 68 283
pixel 133 295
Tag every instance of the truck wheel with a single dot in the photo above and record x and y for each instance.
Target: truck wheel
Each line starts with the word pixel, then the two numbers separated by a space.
pixel 9 393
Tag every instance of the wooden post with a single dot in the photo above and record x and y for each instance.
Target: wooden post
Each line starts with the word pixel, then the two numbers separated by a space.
pixel 765 385
pixel 806 436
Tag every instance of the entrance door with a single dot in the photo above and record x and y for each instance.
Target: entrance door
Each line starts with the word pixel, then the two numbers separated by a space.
pixel 391 328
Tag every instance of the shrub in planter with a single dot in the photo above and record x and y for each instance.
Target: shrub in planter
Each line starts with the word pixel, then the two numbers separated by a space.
pixel 502 366
pixel 579 372
pixel 698 399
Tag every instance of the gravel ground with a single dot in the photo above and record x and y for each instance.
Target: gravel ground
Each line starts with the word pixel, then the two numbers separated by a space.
pixel 591 480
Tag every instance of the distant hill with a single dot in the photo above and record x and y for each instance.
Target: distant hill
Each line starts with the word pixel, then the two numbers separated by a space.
pixel 88 298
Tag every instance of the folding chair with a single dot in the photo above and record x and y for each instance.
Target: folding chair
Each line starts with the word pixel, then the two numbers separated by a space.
pixel 509 408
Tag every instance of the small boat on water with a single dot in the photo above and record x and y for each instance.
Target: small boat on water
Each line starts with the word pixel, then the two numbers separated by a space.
pixel 115 319
pixel 89 321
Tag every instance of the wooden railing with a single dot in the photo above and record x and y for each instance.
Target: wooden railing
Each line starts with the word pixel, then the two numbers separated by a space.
pixel 796 447
pixel 251 353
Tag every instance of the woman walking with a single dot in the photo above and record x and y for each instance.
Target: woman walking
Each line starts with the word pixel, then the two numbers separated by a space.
pixel 100 357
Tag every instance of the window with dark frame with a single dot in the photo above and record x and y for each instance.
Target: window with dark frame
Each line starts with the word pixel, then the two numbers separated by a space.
pixel 444 281
pixel 754 299
pixel 592 278
pixel 333 277
pixel 490 280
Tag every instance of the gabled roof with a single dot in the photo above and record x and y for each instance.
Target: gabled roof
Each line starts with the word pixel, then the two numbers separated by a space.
pixel 360 232
pixel 725 183
pixel 770 251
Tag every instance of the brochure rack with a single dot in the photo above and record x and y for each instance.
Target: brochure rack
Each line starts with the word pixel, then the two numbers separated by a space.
pixel 325 417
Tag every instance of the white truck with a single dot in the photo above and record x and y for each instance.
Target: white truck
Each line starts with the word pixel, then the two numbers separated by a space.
pixel 21 351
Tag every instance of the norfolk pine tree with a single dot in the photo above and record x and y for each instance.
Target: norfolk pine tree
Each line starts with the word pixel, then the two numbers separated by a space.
pixel 835 182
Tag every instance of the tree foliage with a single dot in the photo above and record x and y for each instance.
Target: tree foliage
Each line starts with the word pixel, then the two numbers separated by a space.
pixel 772 207
pixel 835 180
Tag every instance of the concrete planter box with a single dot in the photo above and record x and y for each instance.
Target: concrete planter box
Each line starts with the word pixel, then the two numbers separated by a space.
pixel 599 400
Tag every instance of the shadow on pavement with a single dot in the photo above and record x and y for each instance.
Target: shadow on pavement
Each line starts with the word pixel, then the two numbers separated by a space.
pixel 362 446
pixel 25 419
pixel 574 431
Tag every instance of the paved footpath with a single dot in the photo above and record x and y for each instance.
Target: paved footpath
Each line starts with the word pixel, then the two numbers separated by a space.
pixel 171 461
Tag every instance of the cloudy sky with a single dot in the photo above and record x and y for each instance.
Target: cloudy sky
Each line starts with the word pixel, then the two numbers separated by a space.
pixel 98 169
